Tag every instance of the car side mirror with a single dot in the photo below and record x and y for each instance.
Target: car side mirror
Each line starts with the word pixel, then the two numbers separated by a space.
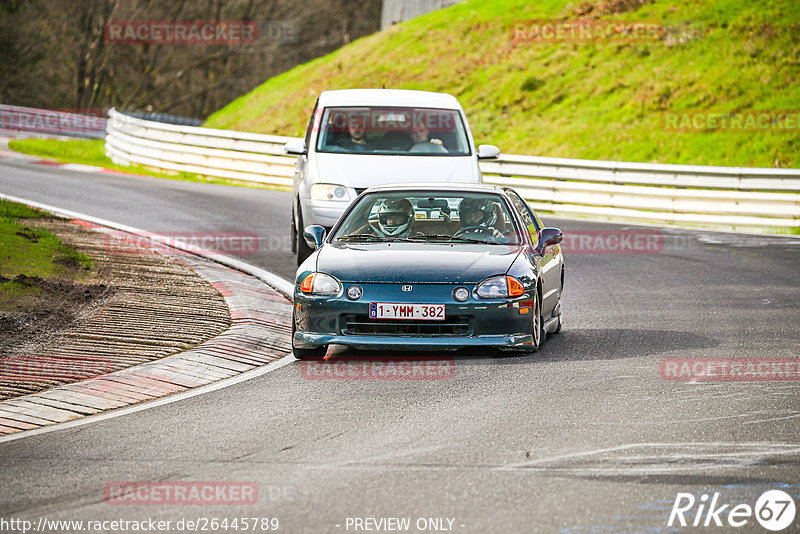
pixel 549 237
pixel 296 147
pixel 488 152
pixel 314 235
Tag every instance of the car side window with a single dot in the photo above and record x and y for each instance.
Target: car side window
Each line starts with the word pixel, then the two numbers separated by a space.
pixel 310 127
pixel 527 219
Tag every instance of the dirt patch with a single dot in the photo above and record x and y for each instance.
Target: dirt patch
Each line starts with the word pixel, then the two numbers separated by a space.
pixel 130 309
pixel 56 304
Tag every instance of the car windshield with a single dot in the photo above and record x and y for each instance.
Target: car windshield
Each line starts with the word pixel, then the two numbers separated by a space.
pixel 393 131
pixel 429 216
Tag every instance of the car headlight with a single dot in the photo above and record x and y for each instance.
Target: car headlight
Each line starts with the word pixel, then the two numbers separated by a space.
pixel 320 284
pixel 330 192
pixel 499 287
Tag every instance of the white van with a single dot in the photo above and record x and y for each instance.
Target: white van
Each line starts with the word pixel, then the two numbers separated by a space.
pixel 357 138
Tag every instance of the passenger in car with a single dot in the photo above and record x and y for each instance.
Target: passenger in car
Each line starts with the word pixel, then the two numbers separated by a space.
pixel 423 142
pixel 355 139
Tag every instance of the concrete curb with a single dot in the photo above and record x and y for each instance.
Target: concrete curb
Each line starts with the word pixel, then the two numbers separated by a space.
pixel 259 335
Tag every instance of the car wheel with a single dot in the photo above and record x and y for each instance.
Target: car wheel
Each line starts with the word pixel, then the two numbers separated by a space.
pixel 560 316
pixel 302 354
pixel 303 250
pixel 560 305
pixel 537 324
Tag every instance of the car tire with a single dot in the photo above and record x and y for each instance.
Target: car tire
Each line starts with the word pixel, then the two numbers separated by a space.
pixel 560 305
pixel 303 250
pixel 537 323
pixel 304 354
pixel 560 317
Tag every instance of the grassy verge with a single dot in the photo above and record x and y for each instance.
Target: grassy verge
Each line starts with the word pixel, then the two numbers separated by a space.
pixel 32 253
pixel 592 100
pixel 92 152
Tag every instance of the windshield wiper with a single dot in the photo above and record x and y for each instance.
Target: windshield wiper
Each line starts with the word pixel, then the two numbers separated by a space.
pixel 372 237
pixel 456 238
pixel 434 236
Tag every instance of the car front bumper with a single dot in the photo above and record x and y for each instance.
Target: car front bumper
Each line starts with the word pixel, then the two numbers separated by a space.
pixel 500 323
pixel 309 340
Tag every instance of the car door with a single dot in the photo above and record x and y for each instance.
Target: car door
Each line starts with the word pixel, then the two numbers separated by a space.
pixel 547 259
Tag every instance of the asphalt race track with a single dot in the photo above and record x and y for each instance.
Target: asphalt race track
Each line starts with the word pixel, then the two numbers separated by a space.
pixel 585 436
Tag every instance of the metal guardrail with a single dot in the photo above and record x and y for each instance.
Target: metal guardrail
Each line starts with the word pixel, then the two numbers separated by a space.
pixel 169 118
pixel 203 151
pixel 720 197
pixel 16 119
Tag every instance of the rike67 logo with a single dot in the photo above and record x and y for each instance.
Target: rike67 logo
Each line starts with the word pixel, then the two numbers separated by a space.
pixel 774 510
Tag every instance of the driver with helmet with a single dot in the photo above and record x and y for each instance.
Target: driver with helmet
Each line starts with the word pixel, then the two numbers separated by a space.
pixel 477 217
pixel 395 216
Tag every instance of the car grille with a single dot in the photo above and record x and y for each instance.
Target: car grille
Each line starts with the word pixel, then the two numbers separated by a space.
pixel 362 325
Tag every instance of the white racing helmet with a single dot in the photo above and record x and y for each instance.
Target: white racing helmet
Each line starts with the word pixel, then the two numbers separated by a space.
pixel 395 217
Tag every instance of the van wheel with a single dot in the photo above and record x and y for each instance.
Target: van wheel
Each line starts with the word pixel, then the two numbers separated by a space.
pixel 293 233
pixel 303 250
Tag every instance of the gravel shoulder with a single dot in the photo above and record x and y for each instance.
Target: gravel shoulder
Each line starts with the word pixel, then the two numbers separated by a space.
pixel 136 306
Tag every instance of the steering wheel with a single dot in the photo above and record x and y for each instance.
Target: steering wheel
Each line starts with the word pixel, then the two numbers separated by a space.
pixel 479 230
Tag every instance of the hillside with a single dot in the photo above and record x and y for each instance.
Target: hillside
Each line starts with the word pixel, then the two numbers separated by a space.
pixel 594 100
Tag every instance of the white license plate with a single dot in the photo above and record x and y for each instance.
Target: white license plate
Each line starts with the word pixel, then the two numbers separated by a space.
pixel 391 310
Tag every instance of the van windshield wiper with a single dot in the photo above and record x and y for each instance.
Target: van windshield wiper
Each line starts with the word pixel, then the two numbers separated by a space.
pixel 354 237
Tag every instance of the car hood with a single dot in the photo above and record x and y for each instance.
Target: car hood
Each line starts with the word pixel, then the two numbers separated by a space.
pixel 365 170
pixel 415 262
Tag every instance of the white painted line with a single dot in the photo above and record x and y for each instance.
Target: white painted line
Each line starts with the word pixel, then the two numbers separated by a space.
pixel 145 405
pixel 82 168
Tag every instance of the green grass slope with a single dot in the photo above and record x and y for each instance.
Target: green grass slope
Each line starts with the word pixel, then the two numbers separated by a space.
pixel 600 100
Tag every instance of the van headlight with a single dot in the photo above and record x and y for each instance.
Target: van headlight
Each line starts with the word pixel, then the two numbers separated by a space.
pixel 330 192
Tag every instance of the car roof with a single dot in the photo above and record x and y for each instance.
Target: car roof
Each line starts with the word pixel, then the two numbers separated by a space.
pixel 388 97
pixel 438 186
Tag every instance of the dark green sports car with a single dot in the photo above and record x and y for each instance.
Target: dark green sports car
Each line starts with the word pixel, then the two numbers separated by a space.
pixel 430 266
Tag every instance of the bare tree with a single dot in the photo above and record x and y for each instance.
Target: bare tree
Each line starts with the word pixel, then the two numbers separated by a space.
pixel 64 52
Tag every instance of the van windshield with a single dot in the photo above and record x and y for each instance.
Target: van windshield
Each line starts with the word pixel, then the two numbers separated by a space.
pixel 393 130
